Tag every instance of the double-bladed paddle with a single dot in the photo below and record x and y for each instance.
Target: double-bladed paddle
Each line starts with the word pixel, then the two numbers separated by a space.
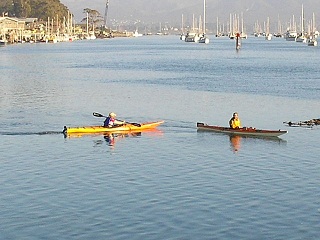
pixel 101 115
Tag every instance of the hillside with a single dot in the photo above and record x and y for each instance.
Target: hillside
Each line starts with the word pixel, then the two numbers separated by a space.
pixel 41 9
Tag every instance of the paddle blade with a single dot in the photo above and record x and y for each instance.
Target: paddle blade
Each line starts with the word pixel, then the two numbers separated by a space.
pixel 98 114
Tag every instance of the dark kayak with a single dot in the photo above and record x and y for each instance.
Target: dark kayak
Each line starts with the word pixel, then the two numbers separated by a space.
pixel 241 131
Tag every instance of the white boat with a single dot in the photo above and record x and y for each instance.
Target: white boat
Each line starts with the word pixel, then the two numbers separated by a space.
pixel 136 34
pixel 302 39
pixel 92 36
pixel 268 34
pixel 3 42
pixel 182 36
pixel 312 42
pixel 192 37
pixel 291 35
pixel 204 39
pixel 243 35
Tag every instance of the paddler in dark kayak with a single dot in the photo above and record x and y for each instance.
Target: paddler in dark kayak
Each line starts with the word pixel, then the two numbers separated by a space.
pixel 235 121
pixel 111 121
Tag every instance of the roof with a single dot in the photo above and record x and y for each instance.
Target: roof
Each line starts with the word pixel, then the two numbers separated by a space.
pixel 26 20
pixel 11 19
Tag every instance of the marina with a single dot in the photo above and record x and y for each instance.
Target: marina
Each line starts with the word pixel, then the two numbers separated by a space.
pixel 91 27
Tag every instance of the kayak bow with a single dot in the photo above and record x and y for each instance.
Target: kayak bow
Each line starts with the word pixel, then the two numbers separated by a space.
pixel 100 129
pixel 241 131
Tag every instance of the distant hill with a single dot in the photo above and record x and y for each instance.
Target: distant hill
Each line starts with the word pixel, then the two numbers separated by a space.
pixel 171 10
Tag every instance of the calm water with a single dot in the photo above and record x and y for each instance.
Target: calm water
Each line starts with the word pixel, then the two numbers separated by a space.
pixel 173 183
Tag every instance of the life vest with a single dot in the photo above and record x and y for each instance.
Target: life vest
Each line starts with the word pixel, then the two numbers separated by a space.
pixel 235 123
pixel 108 122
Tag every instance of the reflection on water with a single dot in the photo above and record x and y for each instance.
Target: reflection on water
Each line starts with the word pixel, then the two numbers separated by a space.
pixel 49 188
pixel 112 138
pixel 235 142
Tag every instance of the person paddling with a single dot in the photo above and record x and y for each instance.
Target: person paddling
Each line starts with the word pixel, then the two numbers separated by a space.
pixel 111 121
pixel 235 121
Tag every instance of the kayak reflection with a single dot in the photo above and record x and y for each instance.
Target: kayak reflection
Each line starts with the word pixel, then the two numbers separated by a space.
pixel 111 138
pixel 235 142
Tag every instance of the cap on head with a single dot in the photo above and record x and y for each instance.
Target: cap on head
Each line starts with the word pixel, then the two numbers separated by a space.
pixel 112 114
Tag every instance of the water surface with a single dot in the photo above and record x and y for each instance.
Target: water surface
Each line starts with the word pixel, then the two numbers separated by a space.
pixel 174 183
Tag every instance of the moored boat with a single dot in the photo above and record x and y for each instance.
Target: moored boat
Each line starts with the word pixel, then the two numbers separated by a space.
pixel 3 42
pixel 291 35
pixel 312 42
pixel 241 131
pixel 123 128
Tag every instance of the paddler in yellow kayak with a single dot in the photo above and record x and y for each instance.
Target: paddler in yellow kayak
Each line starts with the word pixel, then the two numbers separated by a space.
pixel 235 121
pixel 111 121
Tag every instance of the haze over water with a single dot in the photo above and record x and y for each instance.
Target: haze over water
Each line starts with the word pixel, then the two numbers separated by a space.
pixel 173 183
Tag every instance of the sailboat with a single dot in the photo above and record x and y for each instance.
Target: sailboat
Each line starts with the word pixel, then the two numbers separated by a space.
pixel 137 34
pixel 243 35
pixel 302 38
pixel 312 41
pixel 268 34
pixel 182 36
pixel 204 38
pixel 291 34
pixel 192 36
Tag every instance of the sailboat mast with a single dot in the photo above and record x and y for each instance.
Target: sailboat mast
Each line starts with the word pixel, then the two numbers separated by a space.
pixel 217 26
pixel 182 25
pixel 106 14
pixel 204 16
pixel 302 21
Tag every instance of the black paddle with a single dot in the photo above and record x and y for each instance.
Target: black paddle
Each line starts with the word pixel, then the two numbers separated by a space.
pixel 101 115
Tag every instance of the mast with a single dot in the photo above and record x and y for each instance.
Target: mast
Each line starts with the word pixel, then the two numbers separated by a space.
pixel 313 23
pixel 87 23
pixel 200 24
pixel 204 16
pixel 217 34
pixel 106 14
pixel 182 24
pixel 193 22
pixel 302 21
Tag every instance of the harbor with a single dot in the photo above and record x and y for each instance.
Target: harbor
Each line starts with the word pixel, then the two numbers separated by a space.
pixel 197 29
pixel 175 183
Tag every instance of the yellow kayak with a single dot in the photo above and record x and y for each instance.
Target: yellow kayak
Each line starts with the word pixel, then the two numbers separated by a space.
pixel 123 128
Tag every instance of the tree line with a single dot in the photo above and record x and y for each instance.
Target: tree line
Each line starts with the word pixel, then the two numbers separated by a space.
pixel 41 9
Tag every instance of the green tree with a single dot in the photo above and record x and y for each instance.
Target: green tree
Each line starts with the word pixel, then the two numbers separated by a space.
pixel 94 17
pixel 41 9
pixel 21 8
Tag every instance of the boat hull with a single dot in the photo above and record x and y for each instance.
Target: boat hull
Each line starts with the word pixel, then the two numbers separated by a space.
pixel 241 131
pixel 123 128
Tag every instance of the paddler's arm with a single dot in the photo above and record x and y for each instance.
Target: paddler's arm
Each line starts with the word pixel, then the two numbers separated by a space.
pixel 119 122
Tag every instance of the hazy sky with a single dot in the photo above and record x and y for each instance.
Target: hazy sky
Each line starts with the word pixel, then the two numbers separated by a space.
pixel 171 10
